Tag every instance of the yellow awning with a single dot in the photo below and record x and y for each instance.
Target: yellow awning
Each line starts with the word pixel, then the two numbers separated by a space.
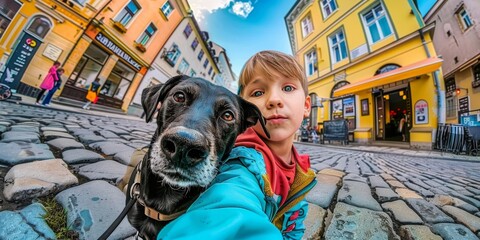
pixel 419 68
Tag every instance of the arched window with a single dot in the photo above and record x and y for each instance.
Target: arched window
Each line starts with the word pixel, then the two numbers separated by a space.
pixel 39 25
pixel 343 107
pixel 337 86
pixel 387 68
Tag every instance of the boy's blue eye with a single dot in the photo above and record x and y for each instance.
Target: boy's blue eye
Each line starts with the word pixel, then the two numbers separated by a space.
pixel 288 88
pixel 257 94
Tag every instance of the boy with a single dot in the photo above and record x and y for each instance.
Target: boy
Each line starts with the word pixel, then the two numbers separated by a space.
pixel 264 180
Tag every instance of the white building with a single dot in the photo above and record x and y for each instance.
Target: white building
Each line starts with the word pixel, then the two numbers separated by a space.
pixel 188 52
pixel 228 78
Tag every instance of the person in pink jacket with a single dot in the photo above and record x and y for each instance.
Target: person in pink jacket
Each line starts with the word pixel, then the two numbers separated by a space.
pixel 49 81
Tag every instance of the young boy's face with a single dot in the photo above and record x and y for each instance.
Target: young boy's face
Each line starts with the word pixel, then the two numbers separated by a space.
pixel 282 102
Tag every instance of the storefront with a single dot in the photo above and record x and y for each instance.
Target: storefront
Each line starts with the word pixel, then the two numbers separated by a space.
pixel 396 104
pixel 103 59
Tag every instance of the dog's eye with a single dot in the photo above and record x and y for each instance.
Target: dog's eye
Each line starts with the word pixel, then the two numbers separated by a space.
pixel 228 116
pixel 179 97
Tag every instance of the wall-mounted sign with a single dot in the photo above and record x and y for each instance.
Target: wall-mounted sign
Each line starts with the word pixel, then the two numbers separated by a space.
pixel 53 52
pixel 470 120
pixel 421 112
pixel 105 41
pixel 348 107
pixel 19 60
pixel 463 105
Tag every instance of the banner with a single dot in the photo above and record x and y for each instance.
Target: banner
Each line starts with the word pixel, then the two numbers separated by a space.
pixel 19 60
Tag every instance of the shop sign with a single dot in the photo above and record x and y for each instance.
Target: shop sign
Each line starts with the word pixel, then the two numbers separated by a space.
pixel 470 120
pixel 19 60
pixel 52 52
pixel 117 50
pixel 463 106
pixel 421 112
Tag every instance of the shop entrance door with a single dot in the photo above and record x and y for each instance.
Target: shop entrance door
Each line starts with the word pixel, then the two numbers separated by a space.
pixel 393 115
pixel 379 117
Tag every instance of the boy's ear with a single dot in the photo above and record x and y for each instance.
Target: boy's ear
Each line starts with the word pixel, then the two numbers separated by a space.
pixel 307 106
pixel 153 95
pixel 250 115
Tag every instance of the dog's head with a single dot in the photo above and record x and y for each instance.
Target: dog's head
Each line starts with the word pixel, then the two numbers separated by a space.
pixel 198 123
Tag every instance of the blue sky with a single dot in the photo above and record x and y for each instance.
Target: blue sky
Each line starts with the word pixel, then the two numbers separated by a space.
pixel 425 5
pixel 244 28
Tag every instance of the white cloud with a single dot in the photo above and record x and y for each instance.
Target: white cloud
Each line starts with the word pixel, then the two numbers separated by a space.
pixel 200 7
pixel 242 9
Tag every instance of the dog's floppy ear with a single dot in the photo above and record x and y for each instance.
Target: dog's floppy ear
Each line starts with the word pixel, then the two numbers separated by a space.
pixel 153 95
pixel 251 114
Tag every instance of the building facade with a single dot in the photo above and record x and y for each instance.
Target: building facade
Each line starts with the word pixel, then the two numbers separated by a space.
pixel 457 39
pixel 35 34
pixel 226 76
pixel 188 51
pixel 371 63
pixel 118 47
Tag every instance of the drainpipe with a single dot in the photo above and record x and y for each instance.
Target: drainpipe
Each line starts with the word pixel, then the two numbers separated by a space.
pixel 441 103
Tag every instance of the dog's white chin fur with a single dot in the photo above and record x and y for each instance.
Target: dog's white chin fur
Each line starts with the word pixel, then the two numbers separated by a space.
pixel 199 175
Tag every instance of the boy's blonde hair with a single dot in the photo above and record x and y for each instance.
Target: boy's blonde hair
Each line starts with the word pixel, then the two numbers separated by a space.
pixel 268 63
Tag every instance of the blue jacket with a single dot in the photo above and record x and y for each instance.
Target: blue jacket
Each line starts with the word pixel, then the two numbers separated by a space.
pixel 239 205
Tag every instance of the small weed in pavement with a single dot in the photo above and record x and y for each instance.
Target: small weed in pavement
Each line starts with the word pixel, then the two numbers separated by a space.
pixel 56 218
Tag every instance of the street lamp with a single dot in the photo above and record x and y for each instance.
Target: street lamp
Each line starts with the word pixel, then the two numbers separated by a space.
pixel 458 91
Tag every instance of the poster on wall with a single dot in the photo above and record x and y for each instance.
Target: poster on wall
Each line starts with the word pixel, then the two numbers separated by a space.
pixel 19 60
pixel 348 107
pixel 337 109
pixel 421 112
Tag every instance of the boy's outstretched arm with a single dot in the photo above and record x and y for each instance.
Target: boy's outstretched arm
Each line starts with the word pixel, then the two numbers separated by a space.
pixel 233 207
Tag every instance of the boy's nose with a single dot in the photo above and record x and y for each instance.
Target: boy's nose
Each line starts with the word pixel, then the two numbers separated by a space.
pixel 275 100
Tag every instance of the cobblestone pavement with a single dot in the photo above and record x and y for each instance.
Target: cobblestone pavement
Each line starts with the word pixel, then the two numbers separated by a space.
pixel 362 192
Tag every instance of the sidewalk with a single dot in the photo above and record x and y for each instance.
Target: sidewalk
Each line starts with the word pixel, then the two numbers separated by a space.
pixel 434 154
pixel 56 105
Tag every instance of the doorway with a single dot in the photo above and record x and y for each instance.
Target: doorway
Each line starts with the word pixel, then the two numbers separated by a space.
pixel 392 117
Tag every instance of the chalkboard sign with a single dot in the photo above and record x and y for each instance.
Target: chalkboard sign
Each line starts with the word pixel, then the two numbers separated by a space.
pixel 463 105
pixel 336 130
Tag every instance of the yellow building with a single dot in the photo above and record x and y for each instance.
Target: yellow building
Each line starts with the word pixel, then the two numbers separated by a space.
pixel 119 46
pixel 371 63
pixel 34 34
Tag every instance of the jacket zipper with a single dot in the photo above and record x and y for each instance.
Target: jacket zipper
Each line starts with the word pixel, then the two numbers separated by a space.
pixel 307 188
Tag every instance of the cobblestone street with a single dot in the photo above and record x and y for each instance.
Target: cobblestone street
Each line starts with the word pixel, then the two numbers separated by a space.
pixel 363 192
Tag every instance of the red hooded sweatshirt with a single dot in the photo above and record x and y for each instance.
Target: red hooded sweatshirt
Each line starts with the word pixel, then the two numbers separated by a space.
pixel 280 174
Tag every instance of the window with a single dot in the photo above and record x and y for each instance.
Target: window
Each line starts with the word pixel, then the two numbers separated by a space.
pixel 376 24
pixel 210 71
pixel 88 67
pixel 183 66
pixel 187 31
pixel 205 64
pixel 8 10
pixel 167 8
pixel 147 34
pixel 127 13
pixel 338 47
pixel 194 44
pixel 192 73
pixel 311 62
pixel 328 7
pixel 200 55
pixel 39 26
pixel 81 2
pixel 307 26
pixel 464 18
pixel 172 55
pixel 450 87
pixel 451 108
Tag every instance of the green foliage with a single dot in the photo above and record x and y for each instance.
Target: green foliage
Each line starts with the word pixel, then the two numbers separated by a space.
pixel 56 218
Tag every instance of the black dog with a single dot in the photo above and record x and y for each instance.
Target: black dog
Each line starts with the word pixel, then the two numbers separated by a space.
pixel 198 123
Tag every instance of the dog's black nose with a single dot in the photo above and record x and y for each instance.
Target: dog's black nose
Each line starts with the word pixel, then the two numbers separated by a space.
pixel 184 147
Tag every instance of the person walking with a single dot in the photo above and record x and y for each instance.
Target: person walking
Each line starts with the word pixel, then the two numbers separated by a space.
pixel 48 98
pixel 48 81
pixel 92 94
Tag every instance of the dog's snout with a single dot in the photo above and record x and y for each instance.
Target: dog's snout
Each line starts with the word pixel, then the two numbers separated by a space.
pixel 184 146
